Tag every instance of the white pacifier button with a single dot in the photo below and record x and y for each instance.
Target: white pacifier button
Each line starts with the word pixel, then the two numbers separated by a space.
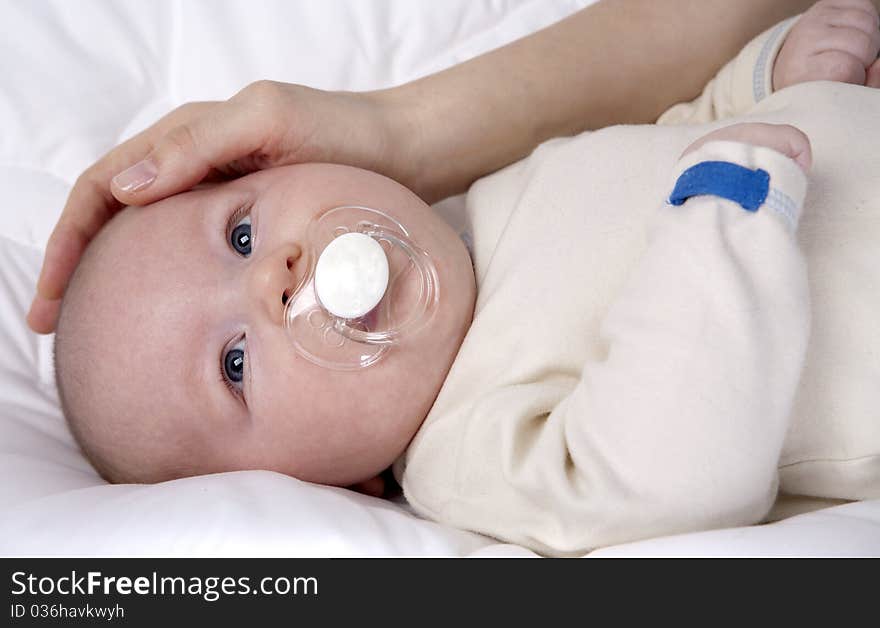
pixel 351 275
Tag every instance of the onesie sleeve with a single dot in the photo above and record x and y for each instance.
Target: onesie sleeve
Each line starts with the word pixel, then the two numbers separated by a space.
pixel 739 85
pixel 679 426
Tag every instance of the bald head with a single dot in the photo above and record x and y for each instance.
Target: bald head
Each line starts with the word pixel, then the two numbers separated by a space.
pixel 105 366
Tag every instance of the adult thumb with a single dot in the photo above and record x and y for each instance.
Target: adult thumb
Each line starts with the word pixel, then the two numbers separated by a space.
pixel 187 153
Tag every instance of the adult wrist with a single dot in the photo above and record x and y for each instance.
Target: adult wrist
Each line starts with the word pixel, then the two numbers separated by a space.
pixel 403 154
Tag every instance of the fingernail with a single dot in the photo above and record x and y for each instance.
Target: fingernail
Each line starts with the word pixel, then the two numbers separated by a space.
pixel 137 177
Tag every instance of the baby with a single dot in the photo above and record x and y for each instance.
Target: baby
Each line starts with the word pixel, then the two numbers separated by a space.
pixel 577 384
pixel 177 309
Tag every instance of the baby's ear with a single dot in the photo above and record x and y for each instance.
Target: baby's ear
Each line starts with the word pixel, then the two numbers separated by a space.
pixel 375 486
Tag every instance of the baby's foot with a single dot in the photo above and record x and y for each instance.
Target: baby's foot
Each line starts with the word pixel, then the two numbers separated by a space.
pixel 835 40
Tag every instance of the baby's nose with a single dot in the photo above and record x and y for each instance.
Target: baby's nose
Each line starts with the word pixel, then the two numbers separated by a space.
pixel 273 279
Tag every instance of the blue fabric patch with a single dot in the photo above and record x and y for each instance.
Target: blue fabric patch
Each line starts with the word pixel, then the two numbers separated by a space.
pixel 737 183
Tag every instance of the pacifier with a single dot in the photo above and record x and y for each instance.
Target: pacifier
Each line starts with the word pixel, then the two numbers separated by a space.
pixel 366 287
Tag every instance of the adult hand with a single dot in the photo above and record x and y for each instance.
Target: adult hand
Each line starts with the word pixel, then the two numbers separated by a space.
pixel 266 124
pixel 436 135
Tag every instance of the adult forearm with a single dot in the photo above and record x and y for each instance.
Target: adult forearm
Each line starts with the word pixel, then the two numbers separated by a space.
pixel 617 61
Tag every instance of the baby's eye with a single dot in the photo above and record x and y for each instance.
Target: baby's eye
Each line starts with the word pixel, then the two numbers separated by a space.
pixel 233 364
pixel 240 236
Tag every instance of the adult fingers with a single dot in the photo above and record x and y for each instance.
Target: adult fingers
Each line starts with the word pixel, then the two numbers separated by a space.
pixel 189 152
pixel 89 206
pixel 43 315
pixel 69 239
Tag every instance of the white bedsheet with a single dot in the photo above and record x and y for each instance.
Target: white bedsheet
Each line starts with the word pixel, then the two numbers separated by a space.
pixel 78 77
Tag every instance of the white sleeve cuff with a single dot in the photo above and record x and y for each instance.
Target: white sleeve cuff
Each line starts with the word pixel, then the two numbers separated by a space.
pixel 762 72
pixel 750 75
pixel 788 183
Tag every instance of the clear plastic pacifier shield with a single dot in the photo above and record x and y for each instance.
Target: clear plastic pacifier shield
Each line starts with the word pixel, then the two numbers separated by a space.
pixel 367 286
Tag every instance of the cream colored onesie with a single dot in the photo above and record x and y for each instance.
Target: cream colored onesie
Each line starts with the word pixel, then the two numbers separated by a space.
pixel 637 369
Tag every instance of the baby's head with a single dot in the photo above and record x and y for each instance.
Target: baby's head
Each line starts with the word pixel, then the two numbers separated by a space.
pixel 167 297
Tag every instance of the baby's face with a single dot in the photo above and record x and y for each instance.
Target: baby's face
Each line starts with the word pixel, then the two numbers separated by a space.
pixel 176 295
